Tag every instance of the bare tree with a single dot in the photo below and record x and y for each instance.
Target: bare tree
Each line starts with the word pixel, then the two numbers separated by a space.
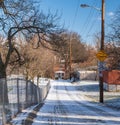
pixel 23 17
pixel 114 34
pixel 113 43
pixel 78 48
pixel 36 61
pixel 113 60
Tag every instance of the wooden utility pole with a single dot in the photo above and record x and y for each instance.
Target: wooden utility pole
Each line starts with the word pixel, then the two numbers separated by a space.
pixel 101 55
pixel 102 49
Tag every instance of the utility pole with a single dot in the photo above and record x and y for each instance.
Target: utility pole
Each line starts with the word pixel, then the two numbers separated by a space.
pixel 101 55
pixel 102 49
pixel 102 24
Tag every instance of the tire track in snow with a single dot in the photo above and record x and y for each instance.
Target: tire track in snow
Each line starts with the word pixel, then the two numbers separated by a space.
pixel 60 108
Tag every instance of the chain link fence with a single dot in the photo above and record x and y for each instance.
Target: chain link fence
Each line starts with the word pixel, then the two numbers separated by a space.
pixel 21 94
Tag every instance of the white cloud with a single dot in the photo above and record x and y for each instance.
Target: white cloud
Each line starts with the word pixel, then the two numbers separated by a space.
pixel 111 14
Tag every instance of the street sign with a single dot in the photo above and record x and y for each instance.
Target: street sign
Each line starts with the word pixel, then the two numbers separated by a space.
pixel 101 55
pixel 101 66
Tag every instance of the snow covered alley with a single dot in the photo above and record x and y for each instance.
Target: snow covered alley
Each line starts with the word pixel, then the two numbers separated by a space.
pixel 65 105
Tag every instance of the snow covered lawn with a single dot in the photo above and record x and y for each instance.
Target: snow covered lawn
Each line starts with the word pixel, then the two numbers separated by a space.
pixel 91 90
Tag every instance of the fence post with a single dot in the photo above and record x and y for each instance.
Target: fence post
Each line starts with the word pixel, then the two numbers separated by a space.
pixel 26 96
pixel 3 110
pixel 38 90
pixel 31 92
pixel 18 100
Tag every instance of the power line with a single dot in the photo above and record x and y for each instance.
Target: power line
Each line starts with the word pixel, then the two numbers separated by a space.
pixel 92 26
pixel 76 12
pixel 89 21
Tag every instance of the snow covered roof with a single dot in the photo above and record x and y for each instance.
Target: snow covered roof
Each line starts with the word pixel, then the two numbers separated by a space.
pixel 59 72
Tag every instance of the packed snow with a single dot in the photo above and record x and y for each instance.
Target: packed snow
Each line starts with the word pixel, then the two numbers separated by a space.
pixel 66 105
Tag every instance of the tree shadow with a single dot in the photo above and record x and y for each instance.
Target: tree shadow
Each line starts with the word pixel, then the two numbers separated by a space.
pixel 68 113
pixel 88 88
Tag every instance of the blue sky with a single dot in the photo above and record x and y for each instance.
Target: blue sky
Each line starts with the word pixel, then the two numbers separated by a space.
pixel 84 21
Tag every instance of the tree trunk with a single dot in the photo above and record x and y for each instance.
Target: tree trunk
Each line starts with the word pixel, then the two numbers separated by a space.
pixel 3 89
pixel 3 86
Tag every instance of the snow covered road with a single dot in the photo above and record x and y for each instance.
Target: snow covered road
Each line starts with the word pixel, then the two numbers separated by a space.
pixel 65 105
